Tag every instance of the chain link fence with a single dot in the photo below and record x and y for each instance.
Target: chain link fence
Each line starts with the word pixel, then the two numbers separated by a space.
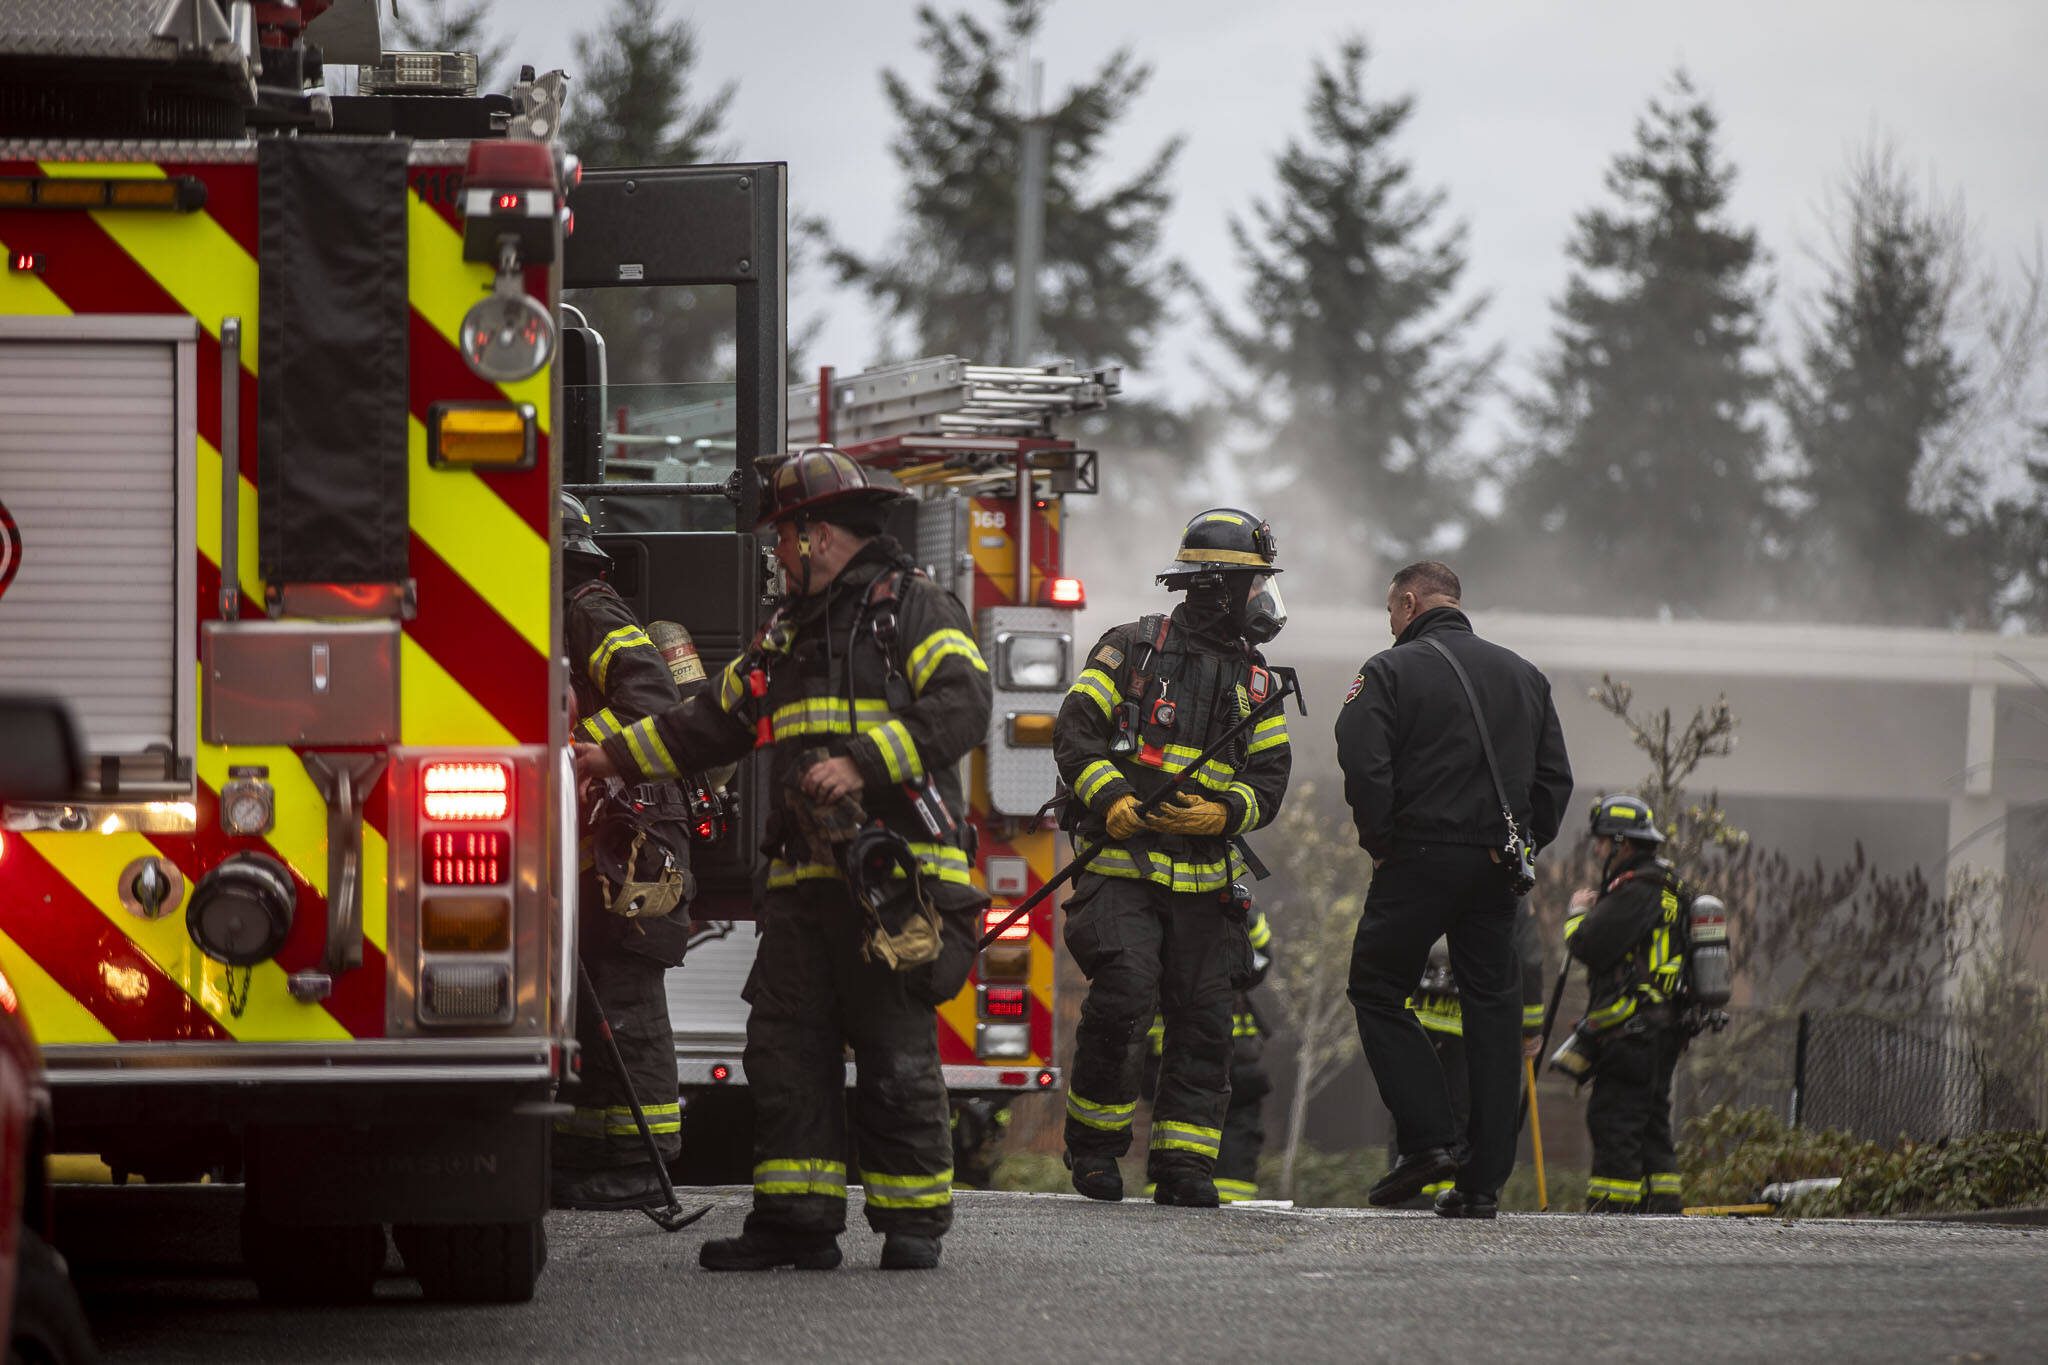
pixel 1879 1076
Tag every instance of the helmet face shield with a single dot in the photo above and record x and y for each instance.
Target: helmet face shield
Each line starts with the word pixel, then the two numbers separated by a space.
pixel 1265 612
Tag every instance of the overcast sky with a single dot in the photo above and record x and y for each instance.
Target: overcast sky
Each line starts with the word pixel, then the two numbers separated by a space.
pixel 1520 107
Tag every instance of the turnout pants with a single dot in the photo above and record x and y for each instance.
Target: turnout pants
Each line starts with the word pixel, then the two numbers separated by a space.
pixel 812 995
pixel 1138 943
pixel 600 1134
pixel 1635 1165
pixel 1456 891
pixel 1244 1125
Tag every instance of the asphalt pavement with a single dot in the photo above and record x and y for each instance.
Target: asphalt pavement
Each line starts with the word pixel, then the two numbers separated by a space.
pixel 1044 1278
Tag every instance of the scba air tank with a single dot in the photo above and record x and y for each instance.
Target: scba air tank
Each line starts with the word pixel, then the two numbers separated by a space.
pixel 1707 952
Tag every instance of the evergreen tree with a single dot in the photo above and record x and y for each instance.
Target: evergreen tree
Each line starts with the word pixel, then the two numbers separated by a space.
pixel 1357 344
pixel 1103 293
pixel 1644 483
pixel 445 26
pixel 1885 535
pixel 634 101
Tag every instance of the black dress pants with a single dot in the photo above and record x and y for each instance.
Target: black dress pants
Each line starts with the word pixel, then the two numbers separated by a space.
pixel 1459 892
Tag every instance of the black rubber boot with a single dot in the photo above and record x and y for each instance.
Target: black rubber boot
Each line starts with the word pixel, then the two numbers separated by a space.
pixel 907 1251
pixel 1186 1192
pixel 1411 1173
pixel 1097 1177
pixel 752 1251
pixel 1457 1203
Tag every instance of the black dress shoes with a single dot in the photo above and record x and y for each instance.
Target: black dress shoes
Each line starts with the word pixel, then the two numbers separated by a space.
pixel 1457 1203
pixel 1411 1173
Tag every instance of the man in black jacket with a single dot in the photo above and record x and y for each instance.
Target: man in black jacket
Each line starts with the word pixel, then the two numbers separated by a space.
pixel 1417 779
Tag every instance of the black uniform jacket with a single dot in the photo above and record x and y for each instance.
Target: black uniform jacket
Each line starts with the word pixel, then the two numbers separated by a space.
pixel 618 674
pixel 1414 771
pixel 830 684
pixel 1630 941
pixel 1207 674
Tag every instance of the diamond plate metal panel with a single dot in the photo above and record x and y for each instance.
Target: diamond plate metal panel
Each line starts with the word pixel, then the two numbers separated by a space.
pixel 1021 780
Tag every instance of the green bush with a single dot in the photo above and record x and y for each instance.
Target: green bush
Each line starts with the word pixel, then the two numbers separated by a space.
pixel 1729 1155
pixel 1983 1171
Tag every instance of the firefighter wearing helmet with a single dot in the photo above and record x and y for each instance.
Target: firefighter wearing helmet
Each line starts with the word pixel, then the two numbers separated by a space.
pixel 634 883
pixel 1154 917
pixel 868 689
pixel 1631 935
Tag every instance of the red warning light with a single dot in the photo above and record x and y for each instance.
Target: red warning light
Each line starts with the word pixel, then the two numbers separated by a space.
pixel 25 262
pixel 1067 592
pixel 509 202
pixel 720 1072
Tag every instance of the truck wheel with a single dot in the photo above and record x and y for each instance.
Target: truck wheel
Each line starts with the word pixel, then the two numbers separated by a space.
pixel 48 1325
pixel 312 1264
pixel 474 1262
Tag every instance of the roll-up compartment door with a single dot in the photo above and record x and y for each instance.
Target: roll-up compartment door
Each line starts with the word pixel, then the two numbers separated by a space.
pixel 98 595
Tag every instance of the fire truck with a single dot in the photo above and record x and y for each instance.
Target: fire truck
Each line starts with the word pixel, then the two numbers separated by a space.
pixel 282 431
pixel 980 448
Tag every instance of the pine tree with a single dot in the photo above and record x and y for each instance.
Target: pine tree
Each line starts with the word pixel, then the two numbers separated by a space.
pixel 1357 341
pixel 1884 535
pixel 634 102
pixel 1644 484
pixel 1103 291
pixel 445 26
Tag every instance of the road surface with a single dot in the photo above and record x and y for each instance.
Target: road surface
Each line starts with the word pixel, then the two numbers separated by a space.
pixel 1043 1278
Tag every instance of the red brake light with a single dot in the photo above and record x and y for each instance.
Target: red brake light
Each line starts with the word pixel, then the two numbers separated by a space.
pixel 1003 1002
pixel 990 918
pixel 1011 1077
pixel 1045 1080
pixel 468 857
pixel 466 791
pixel 1067 592
pixel 721 1072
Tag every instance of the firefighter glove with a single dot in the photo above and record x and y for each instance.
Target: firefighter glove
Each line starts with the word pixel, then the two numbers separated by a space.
pixel 1192 814
pixel 1123 819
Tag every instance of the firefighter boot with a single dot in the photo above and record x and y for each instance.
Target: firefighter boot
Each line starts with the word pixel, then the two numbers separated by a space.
pixel 607 1189
pixel 1186 1190
pixel 1097 1177
pixel 908 1251
pixel 753 1250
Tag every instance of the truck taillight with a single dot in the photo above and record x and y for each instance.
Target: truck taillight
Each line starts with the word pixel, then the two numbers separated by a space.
pixel 995 915
pixel 1005 1002
pixel 1066 592
pixel 466 791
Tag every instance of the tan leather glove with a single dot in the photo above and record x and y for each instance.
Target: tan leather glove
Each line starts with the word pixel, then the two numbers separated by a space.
pixel 1191 814
pixel 1123 818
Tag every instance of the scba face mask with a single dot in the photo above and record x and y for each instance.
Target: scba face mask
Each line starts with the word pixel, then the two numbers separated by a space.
pixel 1265 613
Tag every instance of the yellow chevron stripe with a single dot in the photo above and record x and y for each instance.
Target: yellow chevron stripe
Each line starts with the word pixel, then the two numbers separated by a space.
pixel 958 1014
pixel 442 287
pixel 207 517
pixel 51 1013
pixel 189 254
pixel 481 537
pixel 433 708
pixel 28 296
pixel 93 862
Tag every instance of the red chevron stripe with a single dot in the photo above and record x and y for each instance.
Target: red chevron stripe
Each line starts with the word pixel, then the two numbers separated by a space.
pixel 480 649
pixel 92 960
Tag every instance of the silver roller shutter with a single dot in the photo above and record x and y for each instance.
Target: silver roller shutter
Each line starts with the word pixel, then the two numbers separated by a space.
pixel 91 469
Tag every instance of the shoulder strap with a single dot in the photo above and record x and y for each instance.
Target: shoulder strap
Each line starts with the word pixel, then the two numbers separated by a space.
pixel 1500 791
pixel 1145 652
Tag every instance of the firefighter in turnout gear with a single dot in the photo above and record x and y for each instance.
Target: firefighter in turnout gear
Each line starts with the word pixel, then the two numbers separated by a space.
pixel 1438 1008
pixel 1631 936
pixel 634 882
pixel 1244 1127
pixel 1153 918
pixel 867 688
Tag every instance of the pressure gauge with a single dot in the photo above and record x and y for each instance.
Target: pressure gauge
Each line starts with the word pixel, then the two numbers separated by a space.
pixel 248 804
pixel 507 337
